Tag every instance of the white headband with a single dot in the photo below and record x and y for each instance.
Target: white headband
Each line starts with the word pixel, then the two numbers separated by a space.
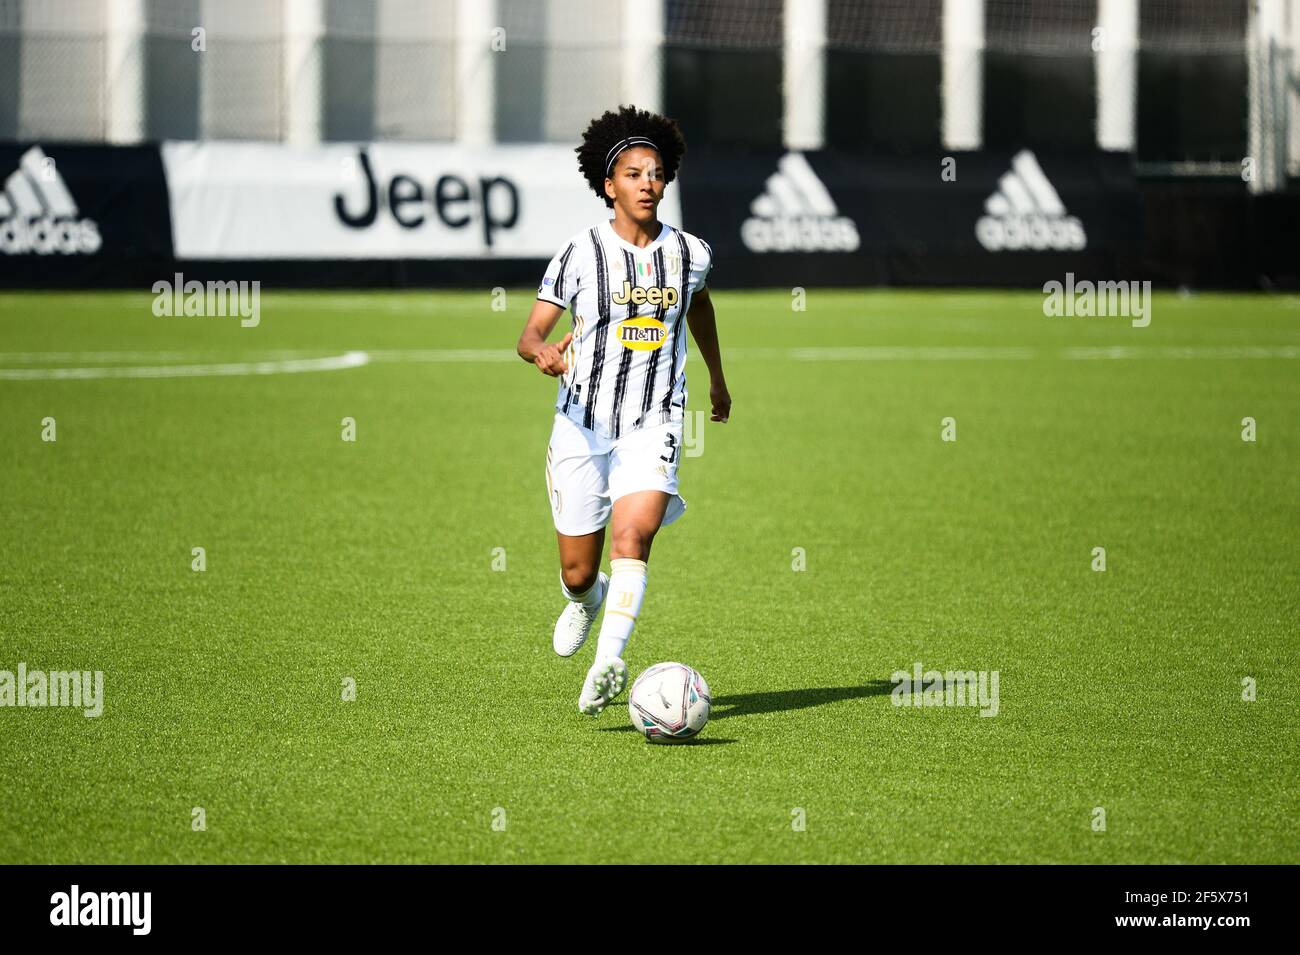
pixel 623 144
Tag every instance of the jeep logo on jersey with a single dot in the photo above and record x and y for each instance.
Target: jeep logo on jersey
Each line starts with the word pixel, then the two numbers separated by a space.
pixel 795 213
pixel 644 333
pixel 632 295
pixel 38 213
pixel 1025 212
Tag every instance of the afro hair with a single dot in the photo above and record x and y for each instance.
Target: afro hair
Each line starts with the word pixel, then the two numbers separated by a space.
pixel 604 132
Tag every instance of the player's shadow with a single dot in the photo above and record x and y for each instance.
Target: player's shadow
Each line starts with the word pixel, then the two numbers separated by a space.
pixel 779 701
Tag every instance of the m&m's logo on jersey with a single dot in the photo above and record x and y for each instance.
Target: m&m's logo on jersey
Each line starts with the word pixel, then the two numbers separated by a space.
pixel 630 294
pixel 643 333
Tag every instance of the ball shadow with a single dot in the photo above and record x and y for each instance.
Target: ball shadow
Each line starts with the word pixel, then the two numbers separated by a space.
pixel 775 701
pixel 779 701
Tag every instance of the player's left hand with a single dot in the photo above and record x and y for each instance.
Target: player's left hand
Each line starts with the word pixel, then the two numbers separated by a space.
pixel 720 397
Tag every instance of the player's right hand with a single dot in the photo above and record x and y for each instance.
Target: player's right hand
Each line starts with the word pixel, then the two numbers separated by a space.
pixel 551 358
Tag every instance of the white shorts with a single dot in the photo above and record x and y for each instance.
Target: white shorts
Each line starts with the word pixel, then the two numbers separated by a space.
pixel 586 473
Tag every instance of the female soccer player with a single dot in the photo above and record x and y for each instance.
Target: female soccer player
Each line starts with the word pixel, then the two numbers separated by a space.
pixel 617 436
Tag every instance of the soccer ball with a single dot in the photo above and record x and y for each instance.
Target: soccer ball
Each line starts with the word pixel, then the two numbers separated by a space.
pixel 669 703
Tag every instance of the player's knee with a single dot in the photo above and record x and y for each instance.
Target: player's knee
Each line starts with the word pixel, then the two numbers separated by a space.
pixel 631 542
pixel 579 575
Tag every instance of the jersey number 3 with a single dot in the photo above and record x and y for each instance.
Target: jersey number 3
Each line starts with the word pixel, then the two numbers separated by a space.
pixel 671 441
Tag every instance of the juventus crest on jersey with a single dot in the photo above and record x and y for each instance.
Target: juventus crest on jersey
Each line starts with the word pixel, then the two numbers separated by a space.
pixel 627 360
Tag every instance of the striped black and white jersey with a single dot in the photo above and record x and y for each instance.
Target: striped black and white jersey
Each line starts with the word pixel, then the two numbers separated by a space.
pixel 627 360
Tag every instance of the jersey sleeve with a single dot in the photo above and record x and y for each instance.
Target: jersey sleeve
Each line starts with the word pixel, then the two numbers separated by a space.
pixel 560 281
pixel 703 268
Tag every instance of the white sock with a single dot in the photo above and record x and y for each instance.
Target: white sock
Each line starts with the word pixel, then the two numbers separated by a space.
pixel 588 598
pixel 627 580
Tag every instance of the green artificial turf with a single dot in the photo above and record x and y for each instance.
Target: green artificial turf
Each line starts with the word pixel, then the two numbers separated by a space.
pixel 374 560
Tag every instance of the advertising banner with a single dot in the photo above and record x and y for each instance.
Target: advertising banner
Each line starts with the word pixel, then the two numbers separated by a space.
pixel 378 201
pixel 835 219
pixel 442 215
pixel 63 207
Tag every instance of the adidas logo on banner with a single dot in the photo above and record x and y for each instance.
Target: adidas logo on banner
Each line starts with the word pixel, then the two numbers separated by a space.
pixel 1026 213
pixel 38 214
pixel 795 213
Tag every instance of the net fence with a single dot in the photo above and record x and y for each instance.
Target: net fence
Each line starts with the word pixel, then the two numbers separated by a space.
pixel 388 69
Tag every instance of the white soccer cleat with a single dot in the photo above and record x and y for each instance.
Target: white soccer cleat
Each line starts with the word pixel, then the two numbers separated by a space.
pixel 604 682
pixel 575 623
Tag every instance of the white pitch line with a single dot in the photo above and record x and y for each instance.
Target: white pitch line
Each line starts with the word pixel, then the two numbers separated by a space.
pixel 1194 352
pixel 352 359
pixel 909 353
pixel 118 357
pixel 434 355
pixel 1019 353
